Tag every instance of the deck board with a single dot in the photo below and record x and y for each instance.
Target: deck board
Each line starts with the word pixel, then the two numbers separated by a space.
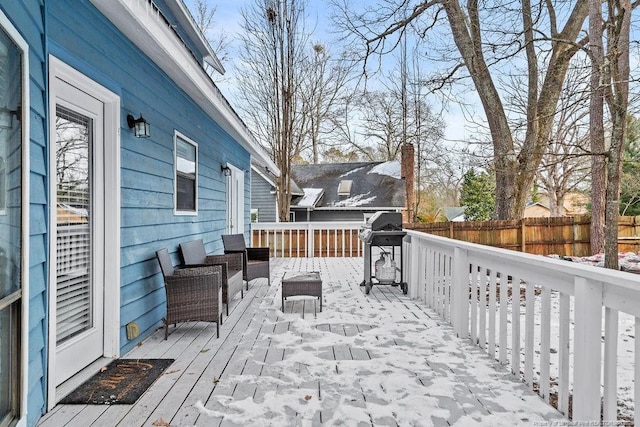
pixel 214 380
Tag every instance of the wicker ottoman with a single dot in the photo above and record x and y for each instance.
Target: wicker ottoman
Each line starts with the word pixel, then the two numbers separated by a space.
pixel 302 283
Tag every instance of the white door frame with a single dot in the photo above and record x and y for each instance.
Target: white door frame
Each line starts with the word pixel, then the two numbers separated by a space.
pixel 111 101
pixel 235 201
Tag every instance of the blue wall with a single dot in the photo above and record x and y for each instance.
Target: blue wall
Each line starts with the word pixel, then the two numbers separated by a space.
pixel 28 18
pixel 91 44
pixel 87 41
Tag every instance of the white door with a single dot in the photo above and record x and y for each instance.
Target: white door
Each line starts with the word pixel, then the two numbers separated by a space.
pixel 84 267
pixel 79 230
pixel 235 201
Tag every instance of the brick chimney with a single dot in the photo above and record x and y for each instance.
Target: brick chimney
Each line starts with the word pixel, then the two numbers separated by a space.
pixel 407 172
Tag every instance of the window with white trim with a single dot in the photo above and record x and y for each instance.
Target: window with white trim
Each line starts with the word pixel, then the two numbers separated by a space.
pixel 186 175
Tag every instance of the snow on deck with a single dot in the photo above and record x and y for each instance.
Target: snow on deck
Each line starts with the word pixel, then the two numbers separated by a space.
pixel 379 359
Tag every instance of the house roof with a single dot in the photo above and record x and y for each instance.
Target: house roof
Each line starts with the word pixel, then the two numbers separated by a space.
pixel 373 185
pixel 149 29
pixel 454 213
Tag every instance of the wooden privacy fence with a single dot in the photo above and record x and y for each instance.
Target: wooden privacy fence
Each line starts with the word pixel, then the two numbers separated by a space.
pixel 541 236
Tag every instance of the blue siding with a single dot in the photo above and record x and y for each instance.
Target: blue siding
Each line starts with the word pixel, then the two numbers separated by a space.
pixel 28 18
pixel 91 44
pixel 87 41
pixel 262 198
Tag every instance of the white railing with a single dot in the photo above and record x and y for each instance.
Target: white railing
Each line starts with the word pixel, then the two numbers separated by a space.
pixel 565 329
pixel 309 239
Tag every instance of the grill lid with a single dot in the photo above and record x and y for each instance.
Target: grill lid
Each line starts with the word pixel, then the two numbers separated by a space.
pixel 385 221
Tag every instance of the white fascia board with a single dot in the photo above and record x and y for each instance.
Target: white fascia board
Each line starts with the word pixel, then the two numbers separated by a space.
pixel 146 28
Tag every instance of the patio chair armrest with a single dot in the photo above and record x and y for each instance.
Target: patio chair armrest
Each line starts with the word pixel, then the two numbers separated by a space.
pixel 259 254
pixel 194 279
pixel 233 261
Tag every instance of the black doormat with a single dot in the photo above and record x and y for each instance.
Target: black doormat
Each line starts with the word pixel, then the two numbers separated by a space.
pixel 121 382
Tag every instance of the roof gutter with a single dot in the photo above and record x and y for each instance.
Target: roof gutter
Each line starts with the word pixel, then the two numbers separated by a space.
pixel 143 23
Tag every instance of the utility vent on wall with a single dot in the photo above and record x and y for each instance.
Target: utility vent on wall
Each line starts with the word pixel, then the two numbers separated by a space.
pixel 344 189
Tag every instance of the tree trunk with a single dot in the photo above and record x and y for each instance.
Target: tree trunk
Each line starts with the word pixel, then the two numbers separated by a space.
pixel 596 129
pixel 469 43
pixel 515 174
pixel 618 32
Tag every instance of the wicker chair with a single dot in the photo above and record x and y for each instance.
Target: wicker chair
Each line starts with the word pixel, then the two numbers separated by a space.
pixel 194 255
pixel 193 294
pixel 255 261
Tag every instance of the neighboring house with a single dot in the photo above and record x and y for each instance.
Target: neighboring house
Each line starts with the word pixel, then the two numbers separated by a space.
pixel 574 203
pixel 533 209
pixel 536 210
pixel 573 206
pixel 347 191
pixel 455 213
pixel 264 205
pixel 74 73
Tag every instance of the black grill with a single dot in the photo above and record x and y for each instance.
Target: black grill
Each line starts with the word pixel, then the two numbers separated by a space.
pixel 384 232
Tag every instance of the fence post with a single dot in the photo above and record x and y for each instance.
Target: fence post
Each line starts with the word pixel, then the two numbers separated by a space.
pixel 460 293
pixel 587 353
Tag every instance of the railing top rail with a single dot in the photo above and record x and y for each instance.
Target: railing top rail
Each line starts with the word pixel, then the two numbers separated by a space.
pixel 618 284
pixel 325 225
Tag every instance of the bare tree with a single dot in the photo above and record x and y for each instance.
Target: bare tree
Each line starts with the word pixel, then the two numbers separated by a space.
pixel 382 125
pixel 323 87
pixel 616 93
pixel 596 127
pixel 216 36
pixel 486 39
pixel 565 163
pixel 274 45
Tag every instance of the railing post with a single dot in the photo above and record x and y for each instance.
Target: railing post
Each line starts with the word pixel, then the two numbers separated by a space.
pixel 311 237
pixel 460 293
pixel 587 353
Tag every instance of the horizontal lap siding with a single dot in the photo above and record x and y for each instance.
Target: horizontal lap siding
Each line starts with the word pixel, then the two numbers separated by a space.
pixel 262 198
pixel 87 41
pixel 27 17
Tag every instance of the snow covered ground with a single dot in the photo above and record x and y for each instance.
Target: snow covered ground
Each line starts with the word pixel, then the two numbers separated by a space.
pixel 378 359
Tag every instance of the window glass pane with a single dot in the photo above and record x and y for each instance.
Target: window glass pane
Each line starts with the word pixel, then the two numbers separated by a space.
pixel 74 299
pixel 186 158
pixel 186 194
pixel 8 356
pixel 11 171
pixel 186 174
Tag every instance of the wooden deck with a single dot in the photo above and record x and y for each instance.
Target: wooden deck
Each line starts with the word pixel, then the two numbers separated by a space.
pixel 377 359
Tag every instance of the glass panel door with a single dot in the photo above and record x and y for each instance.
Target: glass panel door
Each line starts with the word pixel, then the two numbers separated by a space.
pixel 10 227
pixel 78 320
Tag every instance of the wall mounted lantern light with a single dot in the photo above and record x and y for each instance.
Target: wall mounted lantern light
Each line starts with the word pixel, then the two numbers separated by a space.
pixel 226 170
pixel 140 126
